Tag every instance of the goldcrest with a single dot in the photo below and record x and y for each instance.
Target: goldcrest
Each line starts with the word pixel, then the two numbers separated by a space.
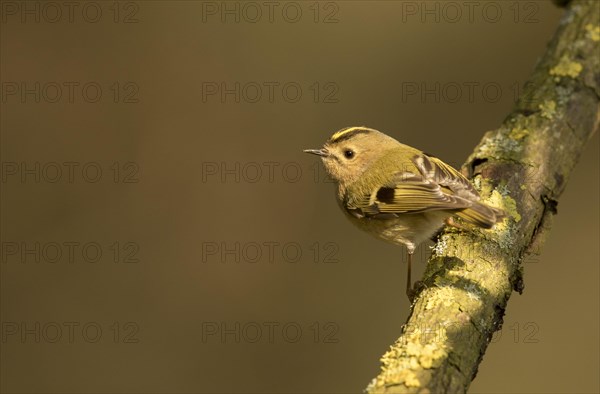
pixel 396 192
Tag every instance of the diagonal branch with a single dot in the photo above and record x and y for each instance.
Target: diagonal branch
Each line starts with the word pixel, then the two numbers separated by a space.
pixel 523 167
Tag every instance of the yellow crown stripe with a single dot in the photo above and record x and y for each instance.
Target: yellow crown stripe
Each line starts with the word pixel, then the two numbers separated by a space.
pixel 342 132
pixel 348 132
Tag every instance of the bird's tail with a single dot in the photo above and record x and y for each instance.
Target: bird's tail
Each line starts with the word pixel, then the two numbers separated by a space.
pixel 481 215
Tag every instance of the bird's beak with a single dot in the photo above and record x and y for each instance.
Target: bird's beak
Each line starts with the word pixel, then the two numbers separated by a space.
pixel 319 152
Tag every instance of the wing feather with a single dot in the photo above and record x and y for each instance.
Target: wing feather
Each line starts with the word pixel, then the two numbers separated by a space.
pixel 437 186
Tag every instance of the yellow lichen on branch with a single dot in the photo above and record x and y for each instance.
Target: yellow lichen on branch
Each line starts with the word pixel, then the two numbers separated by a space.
pixel 522 167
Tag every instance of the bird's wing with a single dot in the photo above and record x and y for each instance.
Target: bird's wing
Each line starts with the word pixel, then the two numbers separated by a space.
pixel 437 186
pixel 444 175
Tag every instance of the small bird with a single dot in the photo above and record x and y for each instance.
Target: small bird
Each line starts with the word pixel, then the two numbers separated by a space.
pixel 396 192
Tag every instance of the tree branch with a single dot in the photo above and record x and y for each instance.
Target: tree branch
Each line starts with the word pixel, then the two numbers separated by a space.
pixel 523 167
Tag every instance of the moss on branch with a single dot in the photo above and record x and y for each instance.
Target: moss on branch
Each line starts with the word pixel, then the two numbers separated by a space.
pixel 522 167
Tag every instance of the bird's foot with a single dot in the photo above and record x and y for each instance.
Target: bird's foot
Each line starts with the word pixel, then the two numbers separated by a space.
pixel 452 223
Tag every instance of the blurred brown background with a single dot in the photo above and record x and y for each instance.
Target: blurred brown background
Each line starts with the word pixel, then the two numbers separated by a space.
pixel 208 254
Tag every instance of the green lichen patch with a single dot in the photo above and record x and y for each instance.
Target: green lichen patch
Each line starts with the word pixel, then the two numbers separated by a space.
pixel 518 133
pixel 408 377
pixel 566 68
pixel 505 202
pixel 443 296
pixel 504 231
pixel 427 350
pixel 593 32
pixel 510 207
pixel 548 109
pixel 498 146
pixel 563 94
pixel 417 349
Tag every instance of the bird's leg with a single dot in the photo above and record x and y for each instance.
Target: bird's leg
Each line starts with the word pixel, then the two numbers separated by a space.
pixel 409 290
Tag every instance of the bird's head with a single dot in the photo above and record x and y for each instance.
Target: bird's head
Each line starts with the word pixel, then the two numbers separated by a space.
pixel 349 152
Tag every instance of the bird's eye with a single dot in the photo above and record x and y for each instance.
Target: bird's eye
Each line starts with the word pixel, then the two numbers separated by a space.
pixel 348 153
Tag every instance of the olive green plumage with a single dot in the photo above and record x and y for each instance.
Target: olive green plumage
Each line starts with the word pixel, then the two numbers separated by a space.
pixel 397 192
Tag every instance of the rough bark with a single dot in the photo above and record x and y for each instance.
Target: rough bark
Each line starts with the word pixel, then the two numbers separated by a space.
pixel 522 167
